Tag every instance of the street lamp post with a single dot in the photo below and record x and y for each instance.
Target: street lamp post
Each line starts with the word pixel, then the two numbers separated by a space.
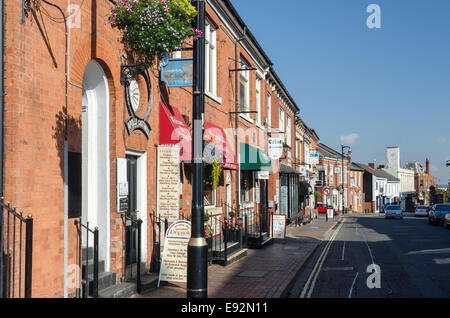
pixel 197 252
pixel 342 174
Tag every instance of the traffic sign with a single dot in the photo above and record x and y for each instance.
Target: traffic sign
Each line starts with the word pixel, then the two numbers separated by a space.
pixel 326 191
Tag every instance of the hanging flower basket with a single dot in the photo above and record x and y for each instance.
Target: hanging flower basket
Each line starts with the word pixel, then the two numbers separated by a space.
pixel 153 28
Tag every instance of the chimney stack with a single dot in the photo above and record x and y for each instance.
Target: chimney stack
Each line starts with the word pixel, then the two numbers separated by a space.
pixel 372 165
pixel 428 167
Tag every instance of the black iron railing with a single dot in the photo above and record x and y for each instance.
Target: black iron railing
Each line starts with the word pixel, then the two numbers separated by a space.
pixel 158 227
pixel 16 251
pixel 134 226
pixel 89 283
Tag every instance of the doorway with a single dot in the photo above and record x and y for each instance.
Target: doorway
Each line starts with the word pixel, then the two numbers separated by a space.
pixel 95 161
pixel 131 231
pixel 263 205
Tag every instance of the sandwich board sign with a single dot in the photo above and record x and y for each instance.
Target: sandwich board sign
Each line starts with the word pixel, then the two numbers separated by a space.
pixel 279 226
pixel 174 260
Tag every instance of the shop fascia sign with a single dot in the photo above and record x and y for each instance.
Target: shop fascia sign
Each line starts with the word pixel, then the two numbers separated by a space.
pixel 275 148
pixel 262 175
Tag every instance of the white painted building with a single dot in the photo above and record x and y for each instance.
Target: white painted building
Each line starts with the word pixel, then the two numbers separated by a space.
pixel 406 177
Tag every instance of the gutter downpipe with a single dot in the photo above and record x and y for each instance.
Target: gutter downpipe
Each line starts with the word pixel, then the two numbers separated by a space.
pixel 2 100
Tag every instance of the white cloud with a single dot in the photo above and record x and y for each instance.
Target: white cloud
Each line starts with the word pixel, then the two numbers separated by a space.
pixel 350 139
pixel 442 140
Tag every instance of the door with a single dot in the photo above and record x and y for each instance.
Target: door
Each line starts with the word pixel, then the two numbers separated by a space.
pixel 263 205
pixel 131 231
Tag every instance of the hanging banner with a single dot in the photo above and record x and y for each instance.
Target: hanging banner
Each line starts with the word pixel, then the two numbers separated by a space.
pixel 168 190
pixel 278 226
pixel 174 259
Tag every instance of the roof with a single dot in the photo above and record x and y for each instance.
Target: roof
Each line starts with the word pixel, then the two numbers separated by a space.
pixel 353 166
pixel 377 172
pixel 386 175
pixel 328 152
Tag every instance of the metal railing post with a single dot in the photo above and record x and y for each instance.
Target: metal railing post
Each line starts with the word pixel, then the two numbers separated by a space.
pixel 246 230
pixel 28 255
pixel 1 248
pixel 95 283
pixel 138 278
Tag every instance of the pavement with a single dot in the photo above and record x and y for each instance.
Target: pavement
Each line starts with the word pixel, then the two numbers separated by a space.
pixel 264 273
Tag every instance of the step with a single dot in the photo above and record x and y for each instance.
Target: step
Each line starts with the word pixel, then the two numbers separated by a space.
pixel 87 251
pixel 254 242
pixel 149 281
pixel 105 280
pixel 90 271
pixel 122 290
pixel 232 258
pixel 232 247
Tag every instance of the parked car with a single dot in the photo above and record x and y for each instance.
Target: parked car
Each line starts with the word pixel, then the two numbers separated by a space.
pixel 447 221
pixel 422 210
pixel 438 213
pixel 322 207
pixel 393 211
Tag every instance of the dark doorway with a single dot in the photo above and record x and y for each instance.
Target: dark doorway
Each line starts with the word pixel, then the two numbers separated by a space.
pixel 130 231
pixel 263 205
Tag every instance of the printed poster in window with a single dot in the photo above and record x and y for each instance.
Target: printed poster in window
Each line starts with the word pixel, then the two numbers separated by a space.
pixel 168 178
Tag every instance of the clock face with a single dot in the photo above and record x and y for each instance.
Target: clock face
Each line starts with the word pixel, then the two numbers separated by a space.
pixel 134 94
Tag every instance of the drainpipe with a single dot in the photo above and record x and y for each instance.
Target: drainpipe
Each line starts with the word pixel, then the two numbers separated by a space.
pixel 1 134
pixel 2 94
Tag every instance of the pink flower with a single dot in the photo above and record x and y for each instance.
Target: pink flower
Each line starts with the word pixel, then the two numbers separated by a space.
pixel 128 7
pixel 166 8
pixel 163 1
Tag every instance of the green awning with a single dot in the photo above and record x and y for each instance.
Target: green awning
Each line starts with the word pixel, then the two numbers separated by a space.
pixel 252 158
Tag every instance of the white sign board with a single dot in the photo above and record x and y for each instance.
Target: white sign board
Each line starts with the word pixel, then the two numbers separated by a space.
pixel 279 226
pixel 262 175
pixel 174 260
pixel 122 185
pixel 330 213
pixel 275 148
pixel 314 158
pixel 168 190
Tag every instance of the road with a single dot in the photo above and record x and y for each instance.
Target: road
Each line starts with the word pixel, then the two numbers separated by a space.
pixel 408 258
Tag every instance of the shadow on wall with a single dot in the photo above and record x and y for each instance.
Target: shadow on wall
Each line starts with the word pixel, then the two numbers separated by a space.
pixel 73 133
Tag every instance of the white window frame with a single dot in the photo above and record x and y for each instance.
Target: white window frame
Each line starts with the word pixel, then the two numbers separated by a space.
pixel 244 78
pixel 269 111
pixel 288 130
pixel 210 59
pixel 282 123
pixel 258 99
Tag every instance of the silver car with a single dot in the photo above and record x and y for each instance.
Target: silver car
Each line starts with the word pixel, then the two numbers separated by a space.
pixel 422 210
pixel 393 211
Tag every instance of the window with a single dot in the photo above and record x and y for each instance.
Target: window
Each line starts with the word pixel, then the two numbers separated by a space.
pixel 269 111
pixel 176 55
pixel 210 59
pixel 331 175
pixel 282 127
pixel 246 185
pixel 258 100
pixel 288 131
pixel 209 195
pixel 244 88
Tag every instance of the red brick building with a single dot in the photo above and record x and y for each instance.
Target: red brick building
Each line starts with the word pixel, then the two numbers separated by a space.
pixel 67 137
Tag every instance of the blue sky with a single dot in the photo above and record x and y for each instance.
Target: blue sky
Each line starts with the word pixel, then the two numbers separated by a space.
pixel 387 87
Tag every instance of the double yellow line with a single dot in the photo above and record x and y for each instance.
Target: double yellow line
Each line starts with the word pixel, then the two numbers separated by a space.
pixel 310 284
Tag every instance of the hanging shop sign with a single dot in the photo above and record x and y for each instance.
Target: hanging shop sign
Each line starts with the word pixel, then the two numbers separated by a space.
pixel 314 158
pixel 122 185
pixel 174 259
pixel 262 175
pixel 128 78
pixel 168 178
pixel 278 226
pixel 275 148
pixel 178 72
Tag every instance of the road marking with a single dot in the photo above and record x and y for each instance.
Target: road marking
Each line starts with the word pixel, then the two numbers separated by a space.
pixel 351 289
pixel 326 269
pixel 318 266
pixel 343 251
